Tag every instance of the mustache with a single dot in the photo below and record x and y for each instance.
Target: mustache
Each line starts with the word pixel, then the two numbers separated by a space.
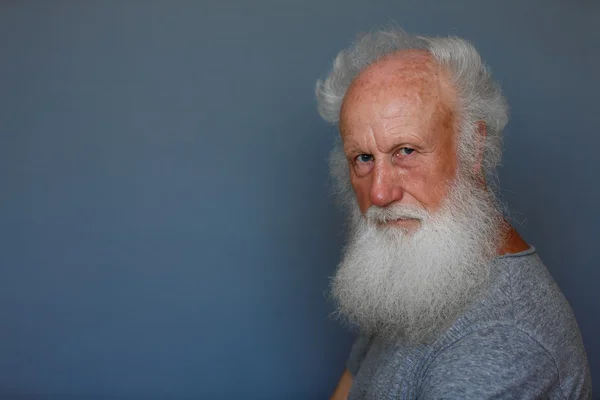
pixel 394 212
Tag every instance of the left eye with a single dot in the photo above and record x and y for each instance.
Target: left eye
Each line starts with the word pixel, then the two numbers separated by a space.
pixel 405 151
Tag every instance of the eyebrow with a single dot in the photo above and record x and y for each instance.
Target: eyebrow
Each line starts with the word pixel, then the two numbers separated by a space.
pixel 353 151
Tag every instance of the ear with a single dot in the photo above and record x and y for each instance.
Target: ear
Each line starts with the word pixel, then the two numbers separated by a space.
pixel 480 139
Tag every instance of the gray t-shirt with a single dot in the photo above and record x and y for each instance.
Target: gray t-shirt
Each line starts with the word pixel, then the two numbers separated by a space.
pixel 520 340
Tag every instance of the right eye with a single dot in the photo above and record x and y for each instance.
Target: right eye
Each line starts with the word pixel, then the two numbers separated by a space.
pixel 363 163
pixel 364 158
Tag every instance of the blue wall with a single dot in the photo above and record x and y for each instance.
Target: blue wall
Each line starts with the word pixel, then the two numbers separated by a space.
pixel 165 223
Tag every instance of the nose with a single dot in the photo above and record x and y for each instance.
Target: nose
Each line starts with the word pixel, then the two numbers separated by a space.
pixel 385 187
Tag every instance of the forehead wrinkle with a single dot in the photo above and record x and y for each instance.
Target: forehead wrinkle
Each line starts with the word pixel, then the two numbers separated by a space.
pixel 404 90
pixel 430 95
pixel 393 124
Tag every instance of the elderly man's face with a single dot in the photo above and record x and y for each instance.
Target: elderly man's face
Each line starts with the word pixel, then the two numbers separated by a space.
pixel 397 126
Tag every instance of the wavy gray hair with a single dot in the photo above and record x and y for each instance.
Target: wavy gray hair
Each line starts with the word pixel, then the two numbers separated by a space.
pixel 479 97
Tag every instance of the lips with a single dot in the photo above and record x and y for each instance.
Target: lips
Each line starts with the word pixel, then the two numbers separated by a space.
pixel 405 223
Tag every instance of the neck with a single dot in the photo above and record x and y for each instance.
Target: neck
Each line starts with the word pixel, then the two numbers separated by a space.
pixel 514 243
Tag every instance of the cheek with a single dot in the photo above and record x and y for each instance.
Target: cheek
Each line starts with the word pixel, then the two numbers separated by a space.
pixel 432 186
pixel 361 189
pixel 423 185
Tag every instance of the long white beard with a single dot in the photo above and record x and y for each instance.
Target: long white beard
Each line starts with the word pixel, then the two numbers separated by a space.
pixel 414 285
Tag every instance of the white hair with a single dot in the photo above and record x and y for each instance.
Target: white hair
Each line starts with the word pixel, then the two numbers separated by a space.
pixel 479 97
pixel 414 285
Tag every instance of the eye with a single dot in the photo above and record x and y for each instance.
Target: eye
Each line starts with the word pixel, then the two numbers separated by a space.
pixel 363 163
pixel 405 151
pixel 364 158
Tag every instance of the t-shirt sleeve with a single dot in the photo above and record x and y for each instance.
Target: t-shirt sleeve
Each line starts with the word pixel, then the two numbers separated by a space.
pixel 358 352
pixel 499 363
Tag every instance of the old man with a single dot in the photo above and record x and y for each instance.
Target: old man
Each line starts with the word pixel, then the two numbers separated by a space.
pixel 450 301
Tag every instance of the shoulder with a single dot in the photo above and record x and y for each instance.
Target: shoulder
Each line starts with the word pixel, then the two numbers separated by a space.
pixel 494 361
pixel 521 340
pixel 358 352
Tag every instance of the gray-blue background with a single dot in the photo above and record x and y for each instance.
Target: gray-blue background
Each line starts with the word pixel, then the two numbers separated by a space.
pixel 165 223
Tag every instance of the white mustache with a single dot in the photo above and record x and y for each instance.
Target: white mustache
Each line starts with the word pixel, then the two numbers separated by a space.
pixel 395 212
pixel 417 284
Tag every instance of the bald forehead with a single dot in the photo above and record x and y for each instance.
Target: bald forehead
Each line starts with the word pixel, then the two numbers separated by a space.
pixel 403 66
pixel 409 75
